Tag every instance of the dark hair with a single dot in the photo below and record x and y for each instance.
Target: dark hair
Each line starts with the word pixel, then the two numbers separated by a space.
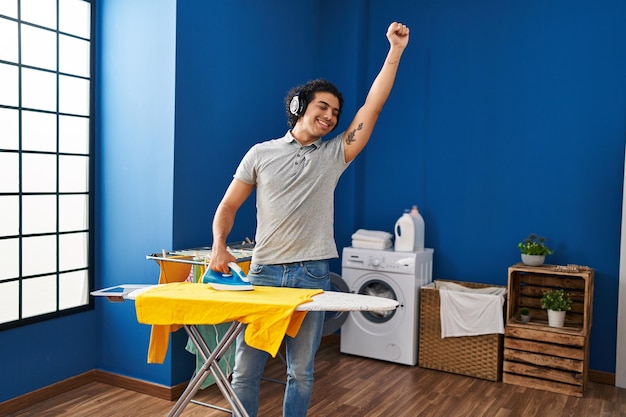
pixel 307 92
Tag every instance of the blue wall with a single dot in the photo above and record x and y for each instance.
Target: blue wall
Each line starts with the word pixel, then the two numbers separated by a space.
pixel 235 63
pixel 507 118
pixel 44 353
pixel 135 136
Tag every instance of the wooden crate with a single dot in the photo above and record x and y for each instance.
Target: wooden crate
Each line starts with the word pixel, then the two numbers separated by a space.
pixel 535 354
pixel 476 356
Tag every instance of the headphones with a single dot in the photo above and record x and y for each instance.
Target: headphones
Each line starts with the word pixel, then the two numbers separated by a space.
pixel 297 105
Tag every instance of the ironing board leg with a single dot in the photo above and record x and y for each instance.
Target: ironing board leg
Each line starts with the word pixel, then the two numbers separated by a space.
pixel 211 365
pixel 222 380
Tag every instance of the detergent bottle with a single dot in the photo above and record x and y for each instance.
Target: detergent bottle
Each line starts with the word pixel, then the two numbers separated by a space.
pixel 405 234
pixel 418 221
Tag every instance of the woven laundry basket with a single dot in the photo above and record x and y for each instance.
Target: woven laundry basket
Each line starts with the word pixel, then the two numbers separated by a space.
pixel 476 356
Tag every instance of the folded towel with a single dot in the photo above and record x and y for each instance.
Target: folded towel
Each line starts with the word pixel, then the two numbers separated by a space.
pixel 370 244
pixel 372 235
pixel 465 313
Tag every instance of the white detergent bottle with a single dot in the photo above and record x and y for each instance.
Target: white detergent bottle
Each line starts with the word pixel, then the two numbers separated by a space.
pixel 418 221
pixel 405 234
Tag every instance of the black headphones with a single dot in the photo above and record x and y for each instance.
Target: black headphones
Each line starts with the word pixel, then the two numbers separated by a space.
pixel 297 105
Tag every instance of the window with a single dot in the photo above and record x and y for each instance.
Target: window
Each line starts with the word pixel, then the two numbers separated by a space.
pixel 46 98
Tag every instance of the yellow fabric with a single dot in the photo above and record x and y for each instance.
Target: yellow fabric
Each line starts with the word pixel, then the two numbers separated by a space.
pixel 160 335
pixel 172 272
pixel 269 312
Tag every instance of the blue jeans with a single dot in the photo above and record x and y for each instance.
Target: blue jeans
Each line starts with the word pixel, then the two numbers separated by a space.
pixel 300 350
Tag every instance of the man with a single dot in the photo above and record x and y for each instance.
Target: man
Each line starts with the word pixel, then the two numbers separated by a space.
pixel 295 178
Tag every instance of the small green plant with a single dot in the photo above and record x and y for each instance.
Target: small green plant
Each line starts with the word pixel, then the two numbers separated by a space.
pixel 556 300
pixel 534 245
pixel 523 311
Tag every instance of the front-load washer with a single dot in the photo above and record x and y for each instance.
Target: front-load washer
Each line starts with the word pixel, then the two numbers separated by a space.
pixel 391 336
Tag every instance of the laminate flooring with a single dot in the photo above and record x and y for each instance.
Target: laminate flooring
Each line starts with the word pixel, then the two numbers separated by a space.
pixel 353 386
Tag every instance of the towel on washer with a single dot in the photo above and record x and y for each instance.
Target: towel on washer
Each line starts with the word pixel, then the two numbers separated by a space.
pixel 368 244
pixel 371 239
pixel 471 312
pixel 371 235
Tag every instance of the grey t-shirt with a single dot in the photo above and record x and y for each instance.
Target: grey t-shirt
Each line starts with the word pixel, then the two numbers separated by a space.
pixel 295 187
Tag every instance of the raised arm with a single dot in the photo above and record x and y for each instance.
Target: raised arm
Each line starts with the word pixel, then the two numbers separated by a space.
pixel 358 133
pixel 237 192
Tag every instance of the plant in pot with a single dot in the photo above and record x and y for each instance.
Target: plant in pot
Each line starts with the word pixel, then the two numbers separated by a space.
pixel 557 302
pixel 534 250
pixel 524 314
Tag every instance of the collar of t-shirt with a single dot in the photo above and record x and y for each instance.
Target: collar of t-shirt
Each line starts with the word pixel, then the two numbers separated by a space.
pixel 289 138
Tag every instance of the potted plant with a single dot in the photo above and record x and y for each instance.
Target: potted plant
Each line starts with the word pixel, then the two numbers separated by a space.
pixel 524 314
pixel 534 250
pixel 557 302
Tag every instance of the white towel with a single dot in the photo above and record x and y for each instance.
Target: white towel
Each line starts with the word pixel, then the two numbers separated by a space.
pixel 371 235
pixel 370 244
pixel 446 285
pixel 464 313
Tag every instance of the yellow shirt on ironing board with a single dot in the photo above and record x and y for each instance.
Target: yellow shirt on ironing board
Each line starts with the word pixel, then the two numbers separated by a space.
pixel 172 271
pixel 269 312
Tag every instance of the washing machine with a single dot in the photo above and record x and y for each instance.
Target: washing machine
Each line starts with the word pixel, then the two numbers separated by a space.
pixel 391 336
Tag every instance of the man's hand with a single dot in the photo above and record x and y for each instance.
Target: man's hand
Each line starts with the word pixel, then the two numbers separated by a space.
pixel 220 259
pixel 398 35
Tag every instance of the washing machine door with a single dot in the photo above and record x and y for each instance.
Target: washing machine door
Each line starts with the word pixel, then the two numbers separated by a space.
pixel 333 320
pixel 378 288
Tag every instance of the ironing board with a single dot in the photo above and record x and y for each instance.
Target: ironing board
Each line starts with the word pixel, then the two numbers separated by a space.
pixel 326 301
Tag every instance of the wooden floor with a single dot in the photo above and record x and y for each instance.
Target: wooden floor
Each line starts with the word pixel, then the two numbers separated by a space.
pixel 352 386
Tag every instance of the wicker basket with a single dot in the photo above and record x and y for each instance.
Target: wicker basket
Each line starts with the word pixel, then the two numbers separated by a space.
pixel 476 356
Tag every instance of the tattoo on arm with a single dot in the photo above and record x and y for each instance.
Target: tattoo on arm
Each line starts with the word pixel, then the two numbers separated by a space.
pixel 350 137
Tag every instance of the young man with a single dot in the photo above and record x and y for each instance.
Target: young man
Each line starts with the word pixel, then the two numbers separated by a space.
pixel 295 178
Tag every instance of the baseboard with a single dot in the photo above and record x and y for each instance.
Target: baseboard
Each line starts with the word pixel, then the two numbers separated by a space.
pixel 138 385
pixel 156 390
pixel 24 401
pixel 601 377
pixel 331 339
